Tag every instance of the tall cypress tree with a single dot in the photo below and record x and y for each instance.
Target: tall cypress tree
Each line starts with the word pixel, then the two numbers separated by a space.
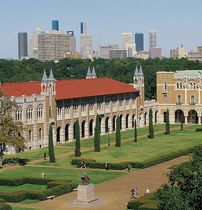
pixel 181 125
pixel 51 146
pixel 135 131
pixel 118 132
pixel 97 135
pixel 151 128
pixel 77 137
pixel 167 132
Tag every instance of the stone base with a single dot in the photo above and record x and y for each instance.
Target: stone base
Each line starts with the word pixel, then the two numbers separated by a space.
pixel 90 204
pixel 85 197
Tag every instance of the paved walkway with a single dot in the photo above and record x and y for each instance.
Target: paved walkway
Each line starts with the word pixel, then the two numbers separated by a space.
pixel 115 193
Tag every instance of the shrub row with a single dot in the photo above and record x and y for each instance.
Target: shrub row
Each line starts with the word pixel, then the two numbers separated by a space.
pixel 123 165
pixel 23 195
pixel 4 206
pixel 21 181
pixel 198 129
pixel 133 204
pixel 15 160
pixel 114 166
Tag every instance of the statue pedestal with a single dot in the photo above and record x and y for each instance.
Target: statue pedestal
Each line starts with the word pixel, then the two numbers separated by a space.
pixel 85 197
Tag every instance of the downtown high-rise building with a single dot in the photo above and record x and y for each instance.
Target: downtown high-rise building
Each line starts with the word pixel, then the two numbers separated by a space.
pixel 51 45
pixel 86 42
pixel 139 41
pixel 55 25
pixel 83 28
pixel 129 44
pixel 22 45
pixel 152 39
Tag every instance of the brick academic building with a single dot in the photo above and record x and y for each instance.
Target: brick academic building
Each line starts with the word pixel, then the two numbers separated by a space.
pixel 61 102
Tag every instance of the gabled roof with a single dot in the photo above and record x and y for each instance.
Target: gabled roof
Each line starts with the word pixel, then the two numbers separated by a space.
pixel 66 89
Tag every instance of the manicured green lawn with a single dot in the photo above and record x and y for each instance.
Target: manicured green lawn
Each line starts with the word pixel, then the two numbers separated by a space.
pixel 143 151
pixel 148 149
pixel 38 154
pixel 60 174
pixel 125 135
pixel 21 208
pixel 24 187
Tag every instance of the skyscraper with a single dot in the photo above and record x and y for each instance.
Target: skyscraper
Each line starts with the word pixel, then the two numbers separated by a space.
pixel 83 28
pixel 152 39
pixel 50 45
pixel 55 25
pixel 139 41
pixel 22 45
pixel 129 44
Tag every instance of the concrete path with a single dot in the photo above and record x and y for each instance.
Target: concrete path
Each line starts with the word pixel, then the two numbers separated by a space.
pixel 115 193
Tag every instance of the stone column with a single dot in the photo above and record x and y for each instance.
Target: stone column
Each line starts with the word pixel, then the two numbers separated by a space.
pixel 185 119
pixel 102 125
pixel 62 130
pixel 34 122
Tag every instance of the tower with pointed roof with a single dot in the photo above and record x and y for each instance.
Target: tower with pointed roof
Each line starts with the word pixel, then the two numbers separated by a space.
pixel 91 74
pixel 88 75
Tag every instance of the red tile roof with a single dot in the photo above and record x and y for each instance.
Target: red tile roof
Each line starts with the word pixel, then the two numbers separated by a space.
pixel 66 89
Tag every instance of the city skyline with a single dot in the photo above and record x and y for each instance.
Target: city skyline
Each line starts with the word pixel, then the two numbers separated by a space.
pixel 171 20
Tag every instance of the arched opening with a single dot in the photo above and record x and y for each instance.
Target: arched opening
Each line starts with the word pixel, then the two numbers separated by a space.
pixel 58 134
pixel 67 132
pixel 121 119
pixel 164 117
pixel 106 124
pixel 156 120
pixel 179 116
pixel 127 116
pixel 91 127
pixel 145 118
pixel 30 135
pixel 114 123
pixel 192 117
pixel 40 134
pixel 83 129
pixel 133 121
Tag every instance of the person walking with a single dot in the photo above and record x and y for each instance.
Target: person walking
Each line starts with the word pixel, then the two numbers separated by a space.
pixel 44 155
pixel 129 168
pixel 107 166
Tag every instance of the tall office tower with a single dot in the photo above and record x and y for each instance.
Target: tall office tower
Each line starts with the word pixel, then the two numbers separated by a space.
pixel 86 46
pixel 50 45
pixel 104 50
pixel 83 28
pixel 152 39
pixel 55 25
pixel 155 52
pixel 129 44
pixel 22 45
pixel 139 41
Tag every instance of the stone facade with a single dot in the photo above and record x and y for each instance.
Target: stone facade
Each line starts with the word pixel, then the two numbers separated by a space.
pixel 181 93
pixel 38 111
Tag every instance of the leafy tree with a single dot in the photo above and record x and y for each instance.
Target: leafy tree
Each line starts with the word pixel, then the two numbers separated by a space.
pixel 10 130
pixel 135 131
pixel 51 146
pixel 151 128
pixel 77 142
pixel 97 135
pixel 167 132
pixel 118 132
pixel 184 188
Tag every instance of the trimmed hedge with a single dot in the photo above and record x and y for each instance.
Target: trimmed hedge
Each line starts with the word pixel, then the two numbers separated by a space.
pixel 15 160
pixel 123 165
pixel 133 204
pixel 198 129
pixel 4 206
pixel 54 187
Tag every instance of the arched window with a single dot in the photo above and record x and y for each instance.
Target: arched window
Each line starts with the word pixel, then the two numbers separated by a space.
pixel 18 114
pixel 29 135
pixel 40 113
pixel 165 86
pixel 29 114
pixel 40 134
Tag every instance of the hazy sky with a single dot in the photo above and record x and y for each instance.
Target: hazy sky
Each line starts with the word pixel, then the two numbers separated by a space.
pixel 177 21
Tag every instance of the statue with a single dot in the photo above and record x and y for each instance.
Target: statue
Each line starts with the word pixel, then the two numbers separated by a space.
pixel 85 180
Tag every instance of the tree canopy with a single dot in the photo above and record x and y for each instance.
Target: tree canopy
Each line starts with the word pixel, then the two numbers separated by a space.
pixel 123 70
pixel 10 130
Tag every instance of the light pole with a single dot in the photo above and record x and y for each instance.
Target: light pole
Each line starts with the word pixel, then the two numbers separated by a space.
pixel 108 137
